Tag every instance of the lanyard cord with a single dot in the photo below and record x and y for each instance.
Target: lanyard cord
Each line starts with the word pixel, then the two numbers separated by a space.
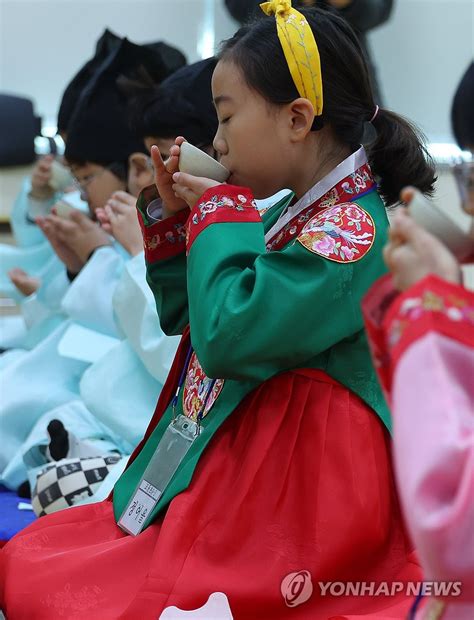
pixel 203 408
pixel 174 402
pixel 415 606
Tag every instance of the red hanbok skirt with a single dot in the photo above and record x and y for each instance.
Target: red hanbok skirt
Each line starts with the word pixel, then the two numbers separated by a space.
pixel 298 478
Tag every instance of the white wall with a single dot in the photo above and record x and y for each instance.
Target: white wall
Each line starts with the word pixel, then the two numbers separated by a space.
pixel 44 42
pixel 421 53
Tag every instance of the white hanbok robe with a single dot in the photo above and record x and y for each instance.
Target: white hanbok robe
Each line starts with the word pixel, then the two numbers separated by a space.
pixel 32 250
pixel 40 380
pixel 117 393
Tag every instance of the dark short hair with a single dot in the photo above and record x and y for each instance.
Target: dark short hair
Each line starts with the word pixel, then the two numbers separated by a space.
pixel 180 105
pixel 143 119
pixel 397 156
pixel 462 111
pixel 117 168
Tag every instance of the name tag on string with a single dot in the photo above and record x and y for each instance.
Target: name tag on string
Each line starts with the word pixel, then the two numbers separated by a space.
pixel 171 450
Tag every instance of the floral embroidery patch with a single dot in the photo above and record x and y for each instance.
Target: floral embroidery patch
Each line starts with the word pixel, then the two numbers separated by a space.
pixel 195 391
pixel 359 182
pixel 343 233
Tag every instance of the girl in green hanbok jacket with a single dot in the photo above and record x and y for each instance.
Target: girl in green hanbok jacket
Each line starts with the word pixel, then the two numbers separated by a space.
pixel 265 472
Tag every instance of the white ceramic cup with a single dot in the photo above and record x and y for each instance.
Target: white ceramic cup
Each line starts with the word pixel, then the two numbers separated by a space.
pixel 63 208
pixel 61 178
pixel 432 219
pixel 194 161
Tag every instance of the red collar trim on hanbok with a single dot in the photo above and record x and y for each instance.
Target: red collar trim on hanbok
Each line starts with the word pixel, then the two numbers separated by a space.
pixel 345 183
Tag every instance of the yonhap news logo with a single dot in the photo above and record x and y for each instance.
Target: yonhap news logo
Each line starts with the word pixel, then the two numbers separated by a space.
pixel 297 588
pixel 390 588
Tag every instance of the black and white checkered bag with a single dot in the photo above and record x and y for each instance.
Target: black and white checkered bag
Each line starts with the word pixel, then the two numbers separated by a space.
pixel 66 482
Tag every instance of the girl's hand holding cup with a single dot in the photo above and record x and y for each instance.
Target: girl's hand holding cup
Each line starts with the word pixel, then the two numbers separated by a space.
pixel 180 190
pixel 191 188
pixel 164 171
pixel 198 171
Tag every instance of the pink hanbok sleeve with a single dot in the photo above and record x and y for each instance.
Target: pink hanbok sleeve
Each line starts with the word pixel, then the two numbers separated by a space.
pixel 423 348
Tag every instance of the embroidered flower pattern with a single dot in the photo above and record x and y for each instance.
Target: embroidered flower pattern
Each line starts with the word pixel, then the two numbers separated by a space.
pixel 360 179
pixel 208 207
pixel 454 308
pixel 27 544
pixel 217 202
pixel 74 602
pixel 195 391
pixel 176 235
pixel 347 252
pixel 205 208
pixel 354 184
pixel 325 244
pixel 344 233
pixel 153 243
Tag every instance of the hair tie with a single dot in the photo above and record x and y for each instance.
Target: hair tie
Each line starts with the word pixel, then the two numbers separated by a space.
pixel 375 114
pixel 369 133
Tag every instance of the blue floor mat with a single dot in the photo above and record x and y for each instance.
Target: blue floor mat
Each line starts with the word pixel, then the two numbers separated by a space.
pixel 12 520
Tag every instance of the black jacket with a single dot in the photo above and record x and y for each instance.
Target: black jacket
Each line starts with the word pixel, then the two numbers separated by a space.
pixel 362 15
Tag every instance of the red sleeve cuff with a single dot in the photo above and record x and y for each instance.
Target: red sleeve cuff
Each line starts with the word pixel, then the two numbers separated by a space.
pixel 221 204
pixel 394 321
pixel 165 238
pixel 431 305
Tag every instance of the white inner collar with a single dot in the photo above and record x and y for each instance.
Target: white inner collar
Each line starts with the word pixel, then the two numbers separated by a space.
pixel 340 172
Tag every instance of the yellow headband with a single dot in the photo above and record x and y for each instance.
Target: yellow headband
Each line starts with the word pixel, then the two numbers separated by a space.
pixel 300 49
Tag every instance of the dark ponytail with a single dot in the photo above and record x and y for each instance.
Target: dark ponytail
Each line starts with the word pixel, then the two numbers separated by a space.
pixel 397 154
pixel 398 157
